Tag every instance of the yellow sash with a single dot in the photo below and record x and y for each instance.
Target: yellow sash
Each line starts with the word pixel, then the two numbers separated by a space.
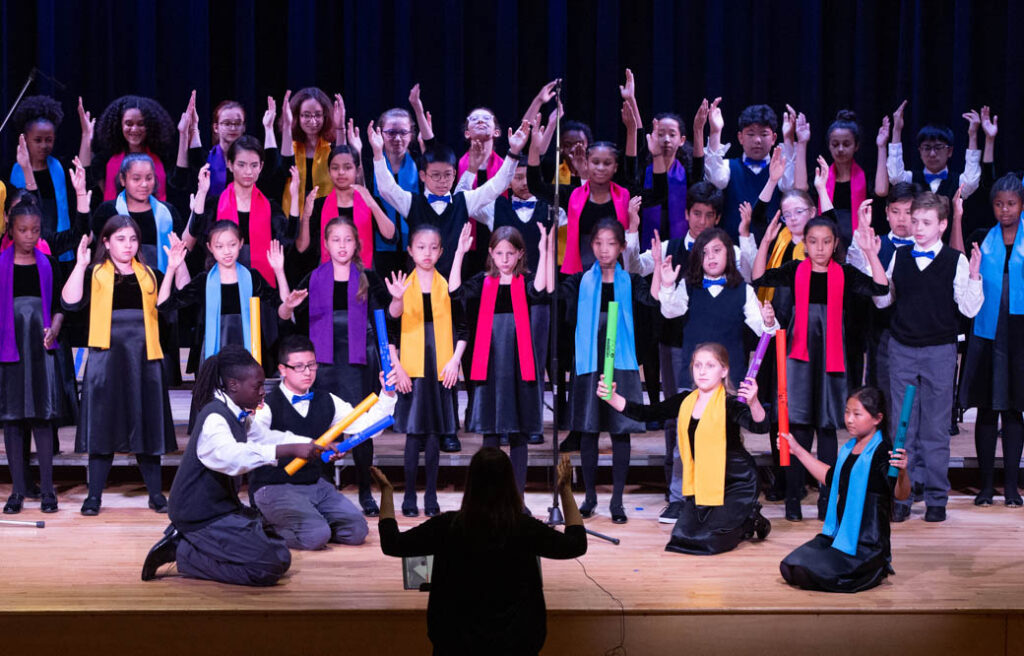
pixel 102 305
pixel 412 344
pixel 321 173
pixel 775 259
pixel 564 178
pixel 705 482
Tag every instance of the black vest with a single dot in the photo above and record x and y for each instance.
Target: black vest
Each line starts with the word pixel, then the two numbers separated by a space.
pixel 719 320
pixel 925 313
pixel 200 496
pixel 284 417
pixel 504 215
pixel 449 222
pixel 745 185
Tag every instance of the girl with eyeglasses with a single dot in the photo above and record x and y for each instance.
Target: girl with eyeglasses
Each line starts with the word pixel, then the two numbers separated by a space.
pixel 313 124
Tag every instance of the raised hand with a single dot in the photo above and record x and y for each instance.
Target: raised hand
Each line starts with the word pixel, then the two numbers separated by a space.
pixel 287 118
pixel 975 263
pixel 24 161
pixel 547 92
pixel 669 273
pixel 973 119
pixel 185 126
pixel 897 121
pixel 628 90
pixel 176 253
pixel 83 256
pixel 767 314
pixel 989 122
pixel 397 284
pixel 381 480
pixel 628 117
pixel 821 174
pixel 307 206
pixel 653 147
pixel 958 203
pixel 271 114
pixel 715 119
pixel 375 138
pixel 746 215
pixel 803 129
pixel 295 298
pixel 465 239
pixel 788 124
pixel 355 142
pixel 565 472
pixel 86 121
pixel 275 255
pixel 293 182
pixel 866 240
pixel 338 112
pixel 414 96
pixel 78 177
pixel 864 215
pixel 517 140
pixel 203 184
pixel 883 133
pixel 700 119
pixel 476 155
pixel 634 213
pixel 578 160
pixel 773 228
pixel 777 165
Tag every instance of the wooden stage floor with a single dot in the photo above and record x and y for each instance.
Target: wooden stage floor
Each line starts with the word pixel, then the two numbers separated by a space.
pixel 74 587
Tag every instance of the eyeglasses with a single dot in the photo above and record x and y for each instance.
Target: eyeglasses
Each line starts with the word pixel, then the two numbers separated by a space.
pixel 795 214
pixel 933 148
pixel 307 116
pixel 231 124
pixel 302 368
pixel 480 118
pixel 397 134
pixel 441 177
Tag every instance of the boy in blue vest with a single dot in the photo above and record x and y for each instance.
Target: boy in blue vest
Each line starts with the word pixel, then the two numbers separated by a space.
pixel 928 284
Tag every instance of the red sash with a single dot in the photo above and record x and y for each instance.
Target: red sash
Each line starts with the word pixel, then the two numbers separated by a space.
pixel 620 198
pixel 361 216
pixel 834 358
pixel 485 324
pixel 259 227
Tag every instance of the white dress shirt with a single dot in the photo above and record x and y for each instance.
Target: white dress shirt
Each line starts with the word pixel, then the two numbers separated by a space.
pixel 643 263
pixel 967 293
pixel 486 213
pixel 717 172
pixel 675 302
pixel 970 178
pixel 855 256
pixel 401 199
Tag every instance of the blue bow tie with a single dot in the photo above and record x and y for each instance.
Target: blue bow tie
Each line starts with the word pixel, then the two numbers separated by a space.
pixel 755 162
pixel 242 416
pixel 524 204
pixel 431 198
pixel 931 177
pixel 897 241
pixel 711 282
pixel 929 254
pixel 296 398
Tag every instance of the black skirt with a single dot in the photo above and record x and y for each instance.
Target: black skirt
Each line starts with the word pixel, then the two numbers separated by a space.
pixel 168 326
pixel 589 414
pixel 993 377
pixel 505 403
pixel 32 387
pixel 708 530
pixel 428 407
pixel 231 332
pixel 816 398
pixel 815 565
pixel 350 382
pixel 125 408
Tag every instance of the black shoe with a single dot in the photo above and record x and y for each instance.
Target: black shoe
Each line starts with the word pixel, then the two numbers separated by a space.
pixel 587 509
pixel 451 444
pixel 671 513
pixel 91 506
pixel 984 498
pixel 163 552
pixel 570 443
pixel 369 505
pixel 900 513
pixel 14 503
pixel 935 514
pixel 431 510
pixel 158 503
pixel 917 492
pixel 535 439
pixel 618 515
pixel 410 510
pixel 1014 501
pixel 503 439
pixel 33 492
pixel 762 527
pixel 774 495
pixel 48 502
pixel 793 511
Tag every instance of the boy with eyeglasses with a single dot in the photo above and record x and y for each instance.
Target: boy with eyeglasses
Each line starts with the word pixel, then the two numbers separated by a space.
pixel 305 509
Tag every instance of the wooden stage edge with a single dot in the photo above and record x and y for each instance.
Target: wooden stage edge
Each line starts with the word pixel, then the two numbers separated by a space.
pixel 74 587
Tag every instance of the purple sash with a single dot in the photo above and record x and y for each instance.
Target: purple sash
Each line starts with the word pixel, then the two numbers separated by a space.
pixel 321 315
pixel 218 170
pixel 651 216
pixel 8 344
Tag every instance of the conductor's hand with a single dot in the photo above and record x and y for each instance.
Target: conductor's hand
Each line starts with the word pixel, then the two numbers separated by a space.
pixel 381 480
pixel 565 473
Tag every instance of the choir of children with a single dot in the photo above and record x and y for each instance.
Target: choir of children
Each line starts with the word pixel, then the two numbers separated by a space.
pixel 461 255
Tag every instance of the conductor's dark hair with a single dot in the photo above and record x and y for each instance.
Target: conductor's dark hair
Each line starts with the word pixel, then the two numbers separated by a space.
pixel 232 363
pixel 846 119
pixel 874 401
pixel 160 129
pixel 758 115
pixel 34 109
pixel 491 505
pixel 695 266
pixel 902 192
pixel 933 132
pixel 705 193
pixel 245 142
pixel 293 344
pixel 1009 182
pixel 437 154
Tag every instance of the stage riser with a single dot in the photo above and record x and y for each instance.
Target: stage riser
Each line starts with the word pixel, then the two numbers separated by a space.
pixel 569 633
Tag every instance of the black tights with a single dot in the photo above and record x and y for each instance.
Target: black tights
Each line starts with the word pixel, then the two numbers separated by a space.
pixel 985 435
pixel 432 461
pixel 99 470
pixel 16 435
pixel 620 466
pixel 828 450
pixel 516 453
pixel 362 456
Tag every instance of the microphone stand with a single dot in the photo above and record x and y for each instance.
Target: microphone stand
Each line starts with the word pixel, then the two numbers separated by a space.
pixel 17 101
pixel 555 512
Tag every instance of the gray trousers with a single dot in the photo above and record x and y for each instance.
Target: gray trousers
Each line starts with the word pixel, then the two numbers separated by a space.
pixel 234 549
pixel 310 516
pixel 671 363
pixel 931 370
pixel 884 383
